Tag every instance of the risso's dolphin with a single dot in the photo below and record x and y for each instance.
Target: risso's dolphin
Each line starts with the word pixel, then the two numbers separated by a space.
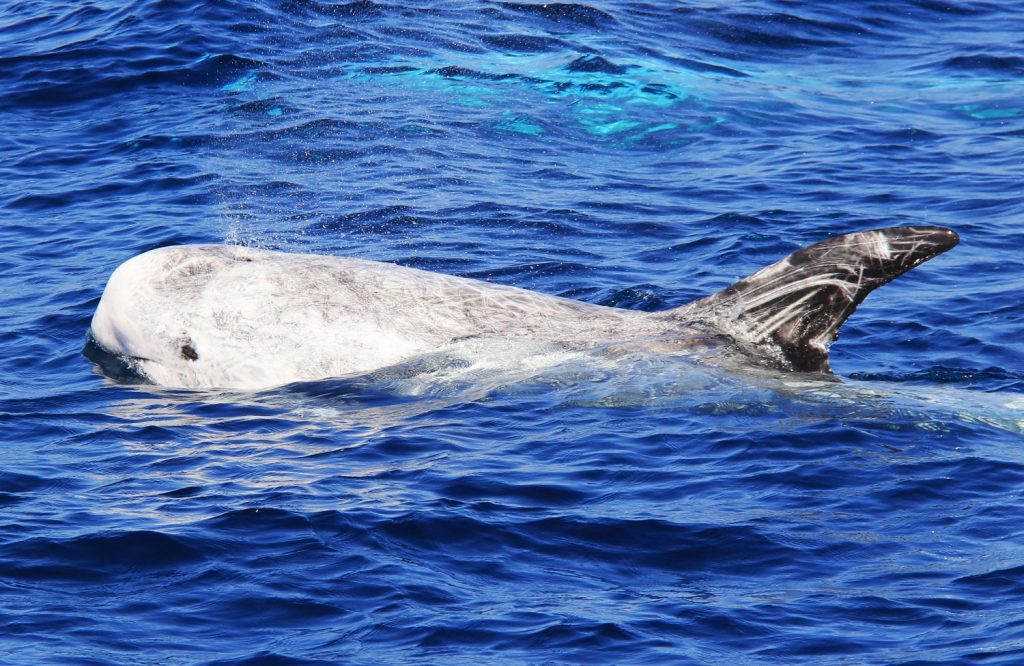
pixel 237 317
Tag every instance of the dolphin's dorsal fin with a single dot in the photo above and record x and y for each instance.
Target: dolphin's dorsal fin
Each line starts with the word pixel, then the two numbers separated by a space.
pixel 792 310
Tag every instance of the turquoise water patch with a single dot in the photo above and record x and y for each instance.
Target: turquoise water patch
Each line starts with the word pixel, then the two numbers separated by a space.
pixel 519 124
pixel 243 84
pixel 982 112
pixel 601 98
pixel 604 119
pixel 472 96
pixel 664 127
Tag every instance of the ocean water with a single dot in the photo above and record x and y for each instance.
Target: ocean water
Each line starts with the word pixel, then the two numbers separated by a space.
pixel 636 154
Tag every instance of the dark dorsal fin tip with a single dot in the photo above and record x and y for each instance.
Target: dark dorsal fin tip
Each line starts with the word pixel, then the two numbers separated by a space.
pixel 792 309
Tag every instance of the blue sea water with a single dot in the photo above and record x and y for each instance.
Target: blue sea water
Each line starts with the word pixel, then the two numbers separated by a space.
pixel 636 154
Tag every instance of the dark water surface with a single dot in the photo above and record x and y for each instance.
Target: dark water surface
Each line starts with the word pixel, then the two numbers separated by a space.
pixel 623 153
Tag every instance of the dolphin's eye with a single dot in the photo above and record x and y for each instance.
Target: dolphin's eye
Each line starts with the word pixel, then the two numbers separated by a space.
pixel 188 352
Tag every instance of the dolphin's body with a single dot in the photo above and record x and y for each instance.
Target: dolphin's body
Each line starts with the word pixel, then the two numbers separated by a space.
pixel 237 317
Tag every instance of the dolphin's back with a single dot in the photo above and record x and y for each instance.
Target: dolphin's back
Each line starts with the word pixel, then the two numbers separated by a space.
pixel 791 311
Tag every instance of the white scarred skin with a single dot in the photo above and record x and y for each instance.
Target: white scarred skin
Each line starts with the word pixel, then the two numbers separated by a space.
pixel 235 317
pixel 254 318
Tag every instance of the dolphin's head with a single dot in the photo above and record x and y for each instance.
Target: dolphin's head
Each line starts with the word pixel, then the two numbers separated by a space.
pixel 141 324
